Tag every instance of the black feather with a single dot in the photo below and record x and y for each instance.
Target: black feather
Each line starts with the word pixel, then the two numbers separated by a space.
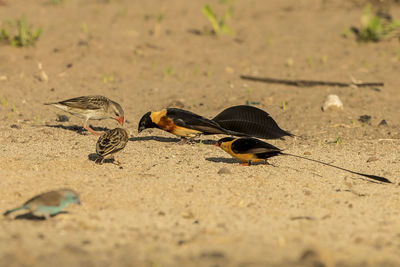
pixel 250 121
pixel 261 149
pixel 190 120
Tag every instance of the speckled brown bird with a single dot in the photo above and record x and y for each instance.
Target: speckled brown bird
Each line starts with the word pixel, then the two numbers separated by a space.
pixel 251 150
pixel 92 108
pixel 111 142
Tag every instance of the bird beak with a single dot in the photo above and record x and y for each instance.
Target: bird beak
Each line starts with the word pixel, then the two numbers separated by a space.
pixel 120 120
pixel 140 129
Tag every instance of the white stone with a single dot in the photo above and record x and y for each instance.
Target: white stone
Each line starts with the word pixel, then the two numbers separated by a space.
pixel 332 101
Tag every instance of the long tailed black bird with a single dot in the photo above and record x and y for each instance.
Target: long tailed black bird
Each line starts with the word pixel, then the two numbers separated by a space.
pixel 182 123
pixel 250 121
pixel 252 150
pixel 236 121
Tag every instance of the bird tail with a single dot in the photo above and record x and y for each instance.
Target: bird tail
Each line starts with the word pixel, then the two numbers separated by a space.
pixel 99 160
pixel 250 121
pixel 373 177
pixel 13 210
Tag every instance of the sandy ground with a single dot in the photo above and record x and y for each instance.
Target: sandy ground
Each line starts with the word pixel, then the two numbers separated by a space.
pixel 192 205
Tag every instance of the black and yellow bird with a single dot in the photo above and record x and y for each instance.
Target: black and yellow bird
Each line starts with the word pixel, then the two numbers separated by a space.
pixel 182 123
pixel 252 150
pixel 236 121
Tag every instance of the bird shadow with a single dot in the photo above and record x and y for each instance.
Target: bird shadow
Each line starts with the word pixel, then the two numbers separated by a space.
pixel 94 157
pixel 31 217
pixel 155 138
pixel 171 140
pixel 75 128
pixel 234 161
pixel 222 160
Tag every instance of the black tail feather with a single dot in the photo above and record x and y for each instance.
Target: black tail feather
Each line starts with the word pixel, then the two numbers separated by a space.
pixel 250 121
pixel 373 177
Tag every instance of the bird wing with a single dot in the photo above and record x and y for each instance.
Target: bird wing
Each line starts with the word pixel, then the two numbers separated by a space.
pixel 190 120
pixel 250 121
pixel 52 198
pixel 85 102
pixel 111 142
pixel 252 145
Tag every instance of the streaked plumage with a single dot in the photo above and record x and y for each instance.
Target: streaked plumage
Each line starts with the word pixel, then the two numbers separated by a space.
pixel 49 203
pixel 92 108
pixel 251 150
pixel 110 143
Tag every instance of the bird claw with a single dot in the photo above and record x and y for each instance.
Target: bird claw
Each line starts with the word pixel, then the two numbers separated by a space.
pixel 87 127
pixel 186 141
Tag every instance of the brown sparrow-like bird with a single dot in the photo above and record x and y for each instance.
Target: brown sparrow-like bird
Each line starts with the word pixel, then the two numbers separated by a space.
pixel 92 108
pixel 110 143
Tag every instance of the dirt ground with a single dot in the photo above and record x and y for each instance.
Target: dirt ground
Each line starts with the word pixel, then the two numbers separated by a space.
pixel 192 205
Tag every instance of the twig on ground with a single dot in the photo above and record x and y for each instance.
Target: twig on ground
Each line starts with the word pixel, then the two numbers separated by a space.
pixel 309 83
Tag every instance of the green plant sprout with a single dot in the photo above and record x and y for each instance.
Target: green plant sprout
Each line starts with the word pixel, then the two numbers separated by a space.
pixel 168 71
pixel 84 27
pixel 338 140
pixel 284 105
pixel 108 78
pixel 219 25
pixel 374 28
pixel 4 102
pixel 23 35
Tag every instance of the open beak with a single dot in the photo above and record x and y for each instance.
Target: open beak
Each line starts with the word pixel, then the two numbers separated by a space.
pixel 120 120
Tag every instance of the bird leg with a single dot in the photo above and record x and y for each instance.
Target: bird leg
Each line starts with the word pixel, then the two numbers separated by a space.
pixel 87 127
pixel 99 160
pixel 117 162
pixel 246 163
pixel 185 141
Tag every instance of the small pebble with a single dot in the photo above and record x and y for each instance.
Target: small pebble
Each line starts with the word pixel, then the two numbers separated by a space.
pixel 332 101
pixel 371 159
pixel 224 170
pixel 15 126
pixel 364 118
pixel 383 123
pixel 62 118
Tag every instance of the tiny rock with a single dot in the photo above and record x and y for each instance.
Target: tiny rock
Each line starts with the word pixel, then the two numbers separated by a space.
pixel 383 123
pixel 364 118
pixel 332 101
pixel 371 159
pixel 224 170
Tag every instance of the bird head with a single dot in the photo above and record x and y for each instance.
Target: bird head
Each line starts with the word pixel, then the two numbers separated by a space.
pixel 146 122
pixel 224 140
pixel 71 197
pixel 116 112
